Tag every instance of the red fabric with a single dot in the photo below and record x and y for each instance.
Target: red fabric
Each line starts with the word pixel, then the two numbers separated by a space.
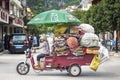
pixel 81 32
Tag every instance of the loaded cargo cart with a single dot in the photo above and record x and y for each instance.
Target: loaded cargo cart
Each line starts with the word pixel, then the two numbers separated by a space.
pixel 70 52
pixel 66 61
pixel 70 57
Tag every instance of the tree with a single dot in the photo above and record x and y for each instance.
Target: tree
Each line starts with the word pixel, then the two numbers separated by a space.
pixel 104 16
pixel 36 6
pixel 81 15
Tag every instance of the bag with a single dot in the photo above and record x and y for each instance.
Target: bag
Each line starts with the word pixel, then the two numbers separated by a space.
pixel 104 54
pixel 95 63
pixel 60 29
pixel 87 28
pixel 89 40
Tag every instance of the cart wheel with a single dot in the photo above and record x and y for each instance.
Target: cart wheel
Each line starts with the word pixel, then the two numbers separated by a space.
pixel 23 68
pixel 74 70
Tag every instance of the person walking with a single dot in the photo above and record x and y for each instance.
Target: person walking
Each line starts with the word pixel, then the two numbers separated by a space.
pixel 34 43
pixel 6 41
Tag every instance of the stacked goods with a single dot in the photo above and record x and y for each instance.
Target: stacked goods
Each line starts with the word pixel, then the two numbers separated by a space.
pixel 78 51
pixel 81 41
pixel 94 50
pixel 60 47
pixel 74 30
pixel 59 43
pixel 90 42
pixel 62 51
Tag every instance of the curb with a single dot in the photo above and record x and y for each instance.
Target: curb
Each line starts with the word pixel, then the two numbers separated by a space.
pixel 1 52
pixel 114 54
pixel 4 52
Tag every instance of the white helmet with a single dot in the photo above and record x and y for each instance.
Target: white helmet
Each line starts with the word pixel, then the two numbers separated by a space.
pixel 43 37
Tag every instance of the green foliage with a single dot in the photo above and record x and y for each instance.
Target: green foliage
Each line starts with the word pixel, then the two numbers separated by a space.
pixel 80 15
pixel 72 2
pixel 105 16
pixel 38 6
pixel 39 29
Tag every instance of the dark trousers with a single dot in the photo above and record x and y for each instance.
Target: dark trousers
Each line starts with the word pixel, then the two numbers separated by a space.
pixel 40 56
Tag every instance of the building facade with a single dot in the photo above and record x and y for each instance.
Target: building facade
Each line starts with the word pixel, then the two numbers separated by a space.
pixel 11 17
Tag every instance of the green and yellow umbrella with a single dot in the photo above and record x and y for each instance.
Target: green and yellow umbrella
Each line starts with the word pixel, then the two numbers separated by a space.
pixel 52 17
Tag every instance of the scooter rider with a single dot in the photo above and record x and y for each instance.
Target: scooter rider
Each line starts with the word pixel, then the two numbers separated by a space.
pixel 43 50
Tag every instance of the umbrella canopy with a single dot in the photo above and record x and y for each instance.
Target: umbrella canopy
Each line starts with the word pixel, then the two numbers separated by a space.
pixel 53 16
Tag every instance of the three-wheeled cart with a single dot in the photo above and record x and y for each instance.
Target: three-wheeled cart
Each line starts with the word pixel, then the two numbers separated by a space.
pixel 69 62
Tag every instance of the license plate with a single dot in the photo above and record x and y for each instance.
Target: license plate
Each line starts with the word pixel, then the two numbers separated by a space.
pixel 18 47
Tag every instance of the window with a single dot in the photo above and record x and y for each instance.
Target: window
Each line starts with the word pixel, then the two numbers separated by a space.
pixel 11 9
pixel 19 37
pixel 17 12
pixel 3 4
pixel 85 6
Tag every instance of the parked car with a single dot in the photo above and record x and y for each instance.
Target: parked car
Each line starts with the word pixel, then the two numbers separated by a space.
pixel 1 45
pixel 18 43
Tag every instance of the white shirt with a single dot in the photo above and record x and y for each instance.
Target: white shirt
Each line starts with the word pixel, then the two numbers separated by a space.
pixel 44 48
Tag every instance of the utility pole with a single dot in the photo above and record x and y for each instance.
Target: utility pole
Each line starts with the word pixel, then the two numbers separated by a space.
pixel 116 40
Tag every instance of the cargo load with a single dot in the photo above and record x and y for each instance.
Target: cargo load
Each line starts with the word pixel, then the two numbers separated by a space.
pixel 89 40
pixel 87 28
pixel 72 42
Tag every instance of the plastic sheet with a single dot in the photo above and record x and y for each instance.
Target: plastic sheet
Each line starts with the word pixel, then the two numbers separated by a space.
pixel 89 40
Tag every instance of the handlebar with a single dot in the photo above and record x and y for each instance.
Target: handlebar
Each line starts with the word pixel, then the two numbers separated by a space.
pixel 28 53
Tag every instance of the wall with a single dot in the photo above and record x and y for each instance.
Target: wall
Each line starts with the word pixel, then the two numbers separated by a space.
pixel 0 32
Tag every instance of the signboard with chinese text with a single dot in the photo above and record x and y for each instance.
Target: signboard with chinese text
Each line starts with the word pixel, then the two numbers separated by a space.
pixel 4 17
pixel 18 22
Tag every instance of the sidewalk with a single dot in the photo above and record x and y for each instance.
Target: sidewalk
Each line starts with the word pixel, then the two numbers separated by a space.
pixel 4 52
pixel 113 53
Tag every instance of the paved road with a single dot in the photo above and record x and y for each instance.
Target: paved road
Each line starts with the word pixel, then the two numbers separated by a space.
pixel 110 70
